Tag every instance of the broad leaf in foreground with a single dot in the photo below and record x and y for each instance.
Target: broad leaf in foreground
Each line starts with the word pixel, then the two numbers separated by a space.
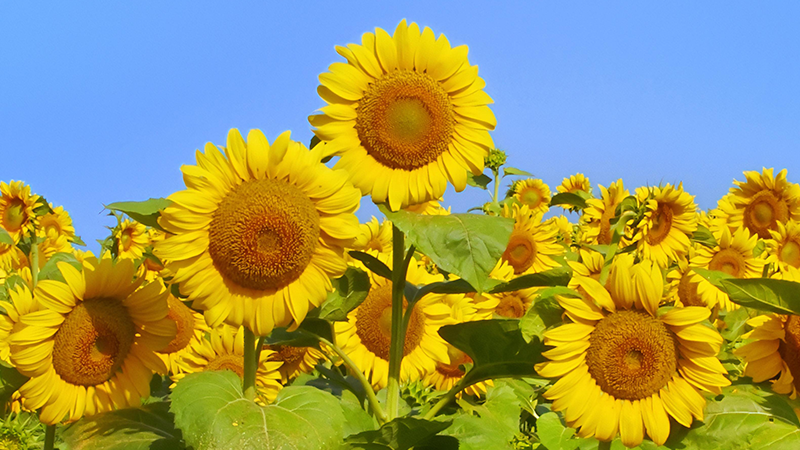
pixel 491 425
pixel 404 433
pixel 778 296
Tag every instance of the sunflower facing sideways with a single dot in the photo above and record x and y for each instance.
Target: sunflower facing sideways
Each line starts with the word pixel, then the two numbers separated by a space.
pixel 533 243
pixel 16 209
pixel 624 366
pixel 90 348
pixel 596 219
pixel 259 231
pixel 669 221
pixel 406 114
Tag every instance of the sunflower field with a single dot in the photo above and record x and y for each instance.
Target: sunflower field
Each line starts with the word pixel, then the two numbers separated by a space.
pixel 252 310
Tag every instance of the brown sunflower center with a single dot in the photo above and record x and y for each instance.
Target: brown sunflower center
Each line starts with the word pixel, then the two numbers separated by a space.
pixel 288 354
pixel 604 236
pixel 14 215
pixel 520 252
pixel 184 319
pixel 457 359
pixel 662 224
pixel 233 363
pixel 729 261
pixel 263 234
pixel 374 323
pixel 687 291
pixel 511 306
pixel 405 120
pixel 790 253
pixel 764 212
pixel 631 355
pixel 93 342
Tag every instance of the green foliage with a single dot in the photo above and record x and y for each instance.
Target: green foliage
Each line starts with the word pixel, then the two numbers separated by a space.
pixel 306 335
pixel 149 427
pixel 778 296
pixel 553 277
pixel 145 212
pixel 349 291
pixel 404 433
pixel 50 270
pixel 478 181
pixel 544 313
pixel 467 245
pixel 513 171
pixel 10 381
pixel 703 236
pixel 568 199
pixel 372 263
pixel 490 426
pixel 496 347
pixel 554 435
pixel 212 413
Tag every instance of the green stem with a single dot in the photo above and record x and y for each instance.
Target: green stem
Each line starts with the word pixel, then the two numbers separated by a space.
pixel 604 445
pixel 250 365
pixel 374 404
pixel 496 184
pixel 49 437
pixel 444 401
pixel 34 259
pixel 398 333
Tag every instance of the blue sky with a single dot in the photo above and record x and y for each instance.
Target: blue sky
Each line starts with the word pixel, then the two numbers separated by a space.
pixel 104 101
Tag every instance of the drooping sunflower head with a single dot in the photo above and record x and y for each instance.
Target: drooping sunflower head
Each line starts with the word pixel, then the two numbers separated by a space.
pixel 533 193
pixel 131 239
pixel 669 221
pixel 624 366
pixel 533 244
pixel 56 223
pixel 596 219
pixel 259 231
pixel 91 347
pixel 375 236
pixel 17 205
pixel 406 113
pixel 575 183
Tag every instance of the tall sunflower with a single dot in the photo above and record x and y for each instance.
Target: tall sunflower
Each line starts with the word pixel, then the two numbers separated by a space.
pixel 91 347
pixel 259 231
pixel 575 183
pixel 623 366
pixel 533 193
pixel 16 208
pixel 406 113
pixel 596 220
pixel 533 244
pixel 131 239
pixel 670 218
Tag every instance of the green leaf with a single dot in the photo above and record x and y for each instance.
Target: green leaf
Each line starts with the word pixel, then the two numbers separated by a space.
pixel 10 381
pixel 377 266
pixel 467 245
pixel 78 241
pixel 778 296
pixel 149 427
pixel 212 413
pixel 306 335
pixel 553 277
pixel 544 313
pixel 145 212
pixel 50 270
pixel 5 238
pixel 703 236
pixel 491 425
pixel 745 417
pixel 349 291
pixel 496 347
pixel 478 181
pixel 401 433
pixel 554 435
pixel 515 172
pixel 568 198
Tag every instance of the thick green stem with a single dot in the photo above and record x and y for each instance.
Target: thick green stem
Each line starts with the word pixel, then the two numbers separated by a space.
pixel 250 365
pixel 374 404
pixel 398 333
pixel 49 437
pixel 496 184
pixel 444 401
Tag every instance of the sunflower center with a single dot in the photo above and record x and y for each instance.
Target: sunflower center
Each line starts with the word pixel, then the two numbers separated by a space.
pixel 662 223
pixel 14 215
pixel 184 320
pixel 52 229
pixel 687 291
pixel 457 359
pixel 764 212
pixel 789 348
pixel 631 355
pixel 263 234
pixel 405 120
pixel 729 261
pixel 93 342
pixel 604 236
pixel 374 323
pixel 511 306
pixel 790 253
pixel 531 197
pixel 125 239
pixel 288 354
pixel 234 363
pixel 520 252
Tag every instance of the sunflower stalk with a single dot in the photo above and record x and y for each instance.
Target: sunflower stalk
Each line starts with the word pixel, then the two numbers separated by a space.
pixel 250 364
pixel 49 437
pixel 399 268
pixel 34 259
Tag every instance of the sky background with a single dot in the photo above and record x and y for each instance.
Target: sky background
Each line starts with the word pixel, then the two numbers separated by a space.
pixel 104 101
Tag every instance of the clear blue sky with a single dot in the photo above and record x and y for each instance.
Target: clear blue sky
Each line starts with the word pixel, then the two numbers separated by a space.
pixel 104 101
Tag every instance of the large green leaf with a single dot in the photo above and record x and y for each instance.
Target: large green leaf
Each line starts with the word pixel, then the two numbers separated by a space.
pixel 372 263
pixel 349 291
pixel 212 413
pixel 467 245
pixel 554 435
pixel 147 428
pixel 490 426
pixel 478 181
pixel 553 277
pixel 403 433
pixel 545 312
pixel 703 236
pixel 514 171
pixel 145 212
pixel 744 418
pixel 779 296
pixel 568 199
pixel 306 335
pixel 496 347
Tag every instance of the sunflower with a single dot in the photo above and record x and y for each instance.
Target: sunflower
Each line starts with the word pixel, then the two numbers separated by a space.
pixel 783 249
pixel 760 202
pixel 596 220
pixel 590 265
pixel 375 236
pixel 56 223
pixel 684 283
pixel 21 303
pixel 223 349
pixel 533 244
pixel 10 257
pixel 131 239
pixel 732 255
pixel 566 231
pixel 625 366
pixel 669 220
pixel 532 193
pixel 259 233
pixel 575 183
pixel 450 371
pixel 431 208
pixel 294 360
pixel 91 347
pixel 16 208
pixel 406 114
pixel 365 337
pixel 191 327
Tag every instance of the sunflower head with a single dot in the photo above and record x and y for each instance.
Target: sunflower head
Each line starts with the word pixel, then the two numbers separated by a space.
pixel 406 113
pixel 533 243
pixel 575 183
pixel 669 220
pixel 17 206
pixel 130 239
pixel 375 236
pixel 596 219
pixel 533 193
